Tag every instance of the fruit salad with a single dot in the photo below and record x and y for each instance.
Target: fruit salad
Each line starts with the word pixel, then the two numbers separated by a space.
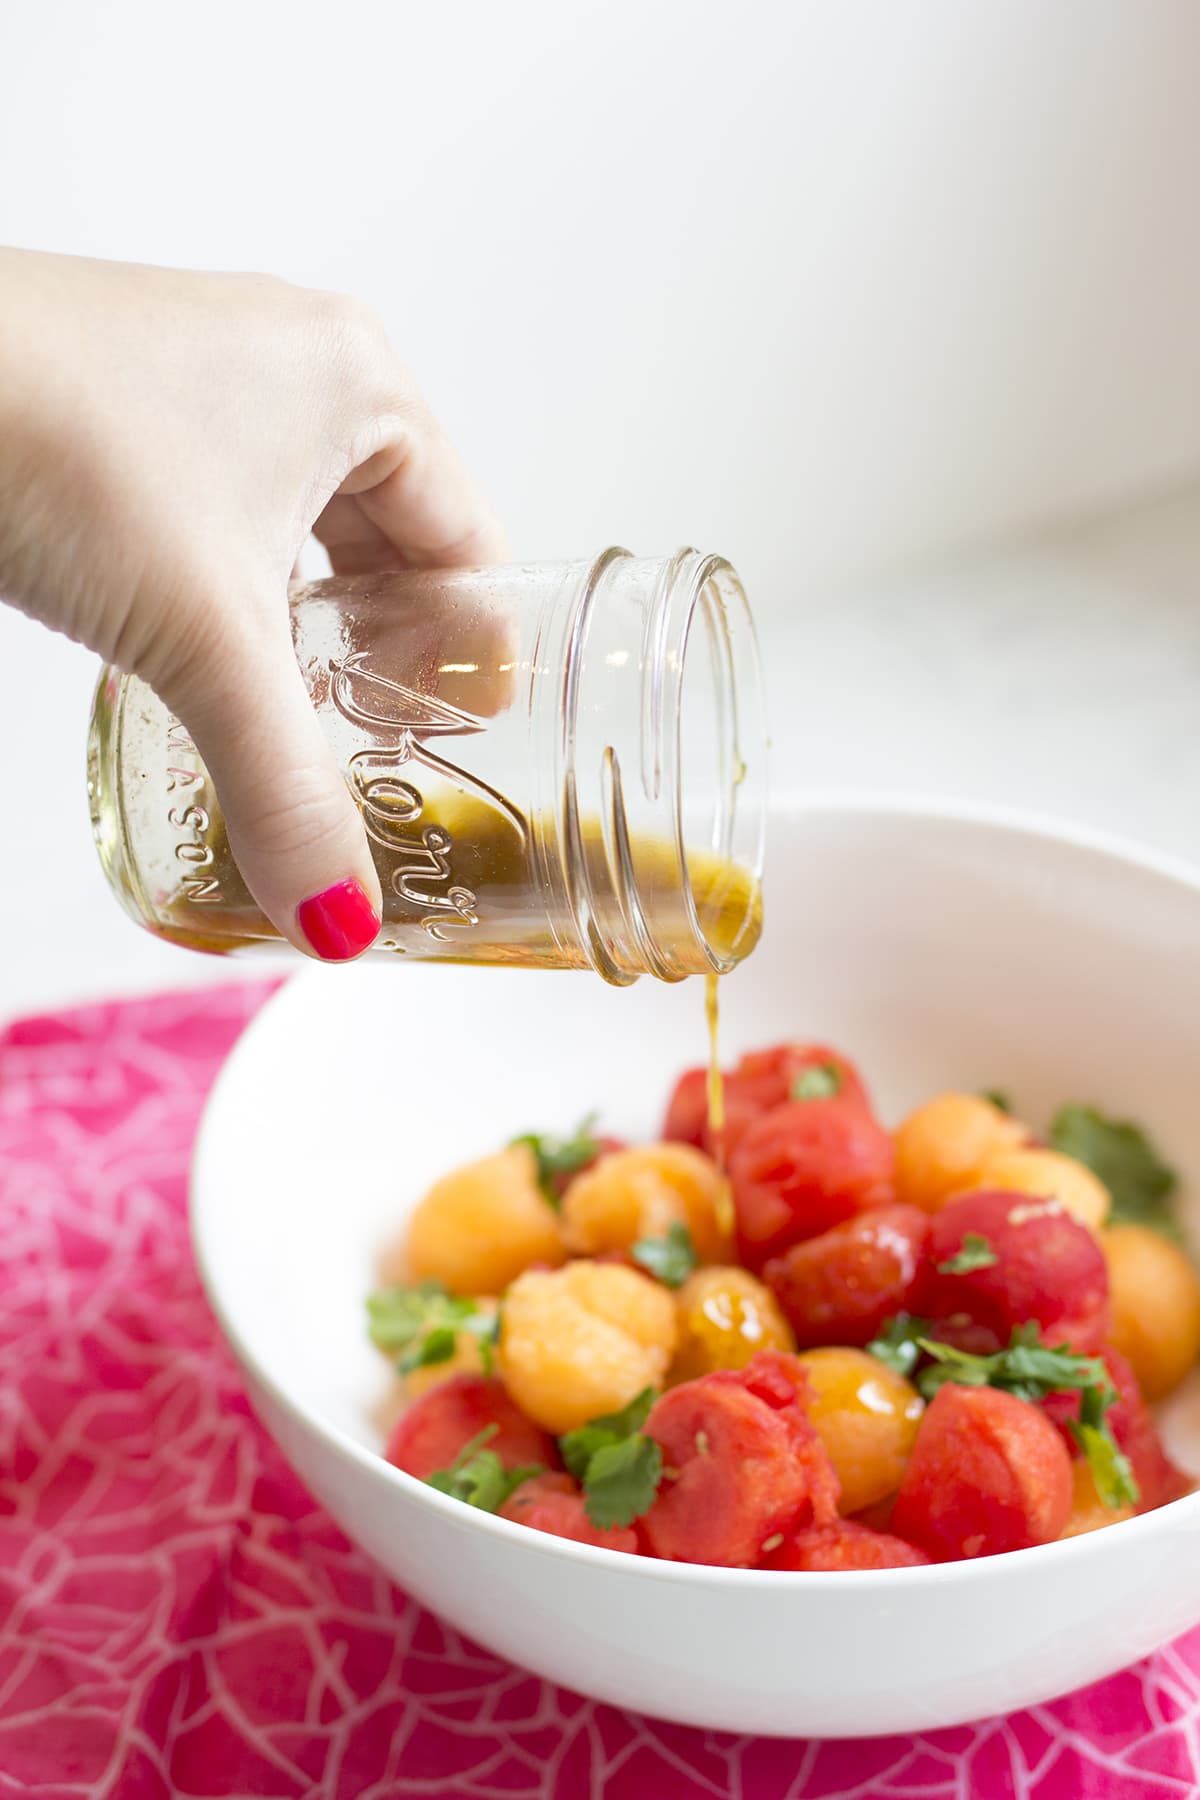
pixel 802 1341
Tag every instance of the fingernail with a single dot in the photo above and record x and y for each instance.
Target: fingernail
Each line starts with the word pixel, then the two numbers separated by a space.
pixel 340 922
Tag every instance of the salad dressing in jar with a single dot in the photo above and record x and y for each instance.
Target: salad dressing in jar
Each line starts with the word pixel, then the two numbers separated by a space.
pixel 557 765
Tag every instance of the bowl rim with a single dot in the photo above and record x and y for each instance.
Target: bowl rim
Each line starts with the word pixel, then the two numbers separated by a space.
pixel 788 808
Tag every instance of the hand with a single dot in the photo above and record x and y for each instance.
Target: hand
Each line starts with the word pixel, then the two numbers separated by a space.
pixel 167 442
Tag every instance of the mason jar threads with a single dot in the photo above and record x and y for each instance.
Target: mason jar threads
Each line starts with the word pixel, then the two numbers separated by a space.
pixel 558 765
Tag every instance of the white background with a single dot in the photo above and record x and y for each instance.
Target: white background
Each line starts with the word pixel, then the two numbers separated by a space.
pixel 842 290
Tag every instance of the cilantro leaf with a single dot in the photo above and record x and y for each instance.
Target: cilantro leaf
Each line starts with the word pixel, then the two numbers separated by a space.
pixel 622 1480
pixel 671 1258
pixel 1128 1164
pixel 438 1347
pixel 557 1157
pixel 820 1081
pixel 398 1314
pixel 1026 1368
pixel 485 1327
pixel 484 1482
pixel 1111 1469
pixel 579 1446
pixel 997 1098
pixel 975 1253
pixel 899 1344
pixel 620 1468
pixel 1029 1370
pixel 444 1479
pixel 478 1477
pixel 421 1324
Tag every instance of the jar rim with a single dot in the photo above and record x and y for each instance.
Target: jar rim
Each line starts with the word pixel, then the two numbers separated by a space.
pixel 665 897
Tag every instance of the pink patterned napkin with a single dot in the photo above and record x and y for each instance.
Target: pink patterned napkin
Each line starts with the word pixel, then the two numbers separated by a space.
pixel 178 1618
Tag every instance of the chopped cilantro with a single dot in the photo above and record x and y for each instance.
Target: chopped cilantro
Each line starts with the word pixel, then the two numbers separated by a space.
pixel 899 1344
pixel 478 1477
pixel 820 1081
pixel 398 1314
pixel 1031 1371
pixel 622 1480
pixel 438 1347
pixel 975 1253
pixel 671 1258
pixel 579 1446
pixel 421 1324
pixel 557 1157
pixel 1027 1368
pixel 619 1467
pixel 1112 1472
pixel 1121 1154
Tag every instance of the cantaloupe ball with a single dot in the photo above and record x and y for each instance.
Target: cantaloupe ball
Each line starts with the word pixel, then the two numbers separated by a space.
pixel 479 1226
pixel 1155 1297
pixel 944 1146
pixel 640 1193
pixel 584 1340
pixel 1051 1176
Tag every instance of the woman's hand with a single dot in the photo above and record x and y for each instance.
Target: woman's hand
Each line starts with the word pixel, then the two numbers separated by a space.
pixel 167 442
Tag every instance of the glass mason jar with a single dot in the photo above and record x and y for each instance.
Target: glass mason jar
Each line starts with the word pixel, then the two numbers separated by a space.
pixel 558 765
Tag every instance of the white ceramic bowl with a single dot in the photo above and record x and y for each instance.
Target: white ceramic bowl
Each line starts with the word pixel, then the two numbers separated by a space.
pixel 938 950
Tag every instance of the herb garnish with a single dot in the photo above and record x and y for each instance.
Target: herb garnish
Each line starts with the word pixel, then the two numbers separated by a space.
pixel 898 1345
pixel 975 1253
pixel 1126 1161
pixel 619 1467
pixel 820 1081
pixel 670 1258
pixel 558 1157
pixel 1031 1371
pixel 478 1477
pixel 422 1323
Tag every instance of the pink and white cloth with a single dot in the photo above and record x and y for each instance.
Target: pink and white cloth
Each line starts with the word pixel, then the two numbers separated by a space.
pixel 177 1616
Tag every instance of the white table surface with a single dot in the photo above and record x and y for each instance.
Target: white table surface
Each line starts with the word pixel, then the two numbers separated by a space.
pixel 1063 676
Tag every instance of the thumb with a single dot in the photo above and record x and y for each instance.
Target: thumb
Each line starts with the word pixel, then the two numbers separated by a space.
pixel 294 830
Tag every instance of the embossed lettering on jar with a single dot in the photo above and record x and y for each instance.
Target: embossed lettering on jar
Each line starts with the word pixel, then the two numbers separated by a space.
pixel 557 765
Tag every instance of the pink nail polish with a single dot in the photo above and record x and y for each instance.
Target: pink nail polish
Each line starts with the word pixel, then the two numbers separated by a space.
pixel 339 923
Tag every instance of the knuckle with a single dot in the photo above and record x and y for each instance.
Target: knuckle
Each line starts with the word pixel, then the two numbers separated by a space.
pixel 352 331
pixel 194 653
pixel 257 285
pixel 292 818
pixel 360 374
